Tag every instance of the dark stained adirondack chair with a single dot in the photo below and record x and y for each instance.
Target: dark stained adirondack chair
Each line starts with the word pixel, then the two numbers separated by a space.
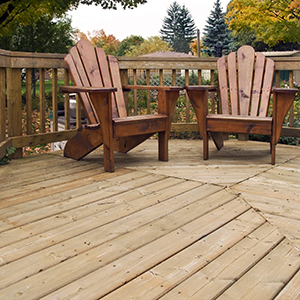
pixel 96 79
pixel 245 86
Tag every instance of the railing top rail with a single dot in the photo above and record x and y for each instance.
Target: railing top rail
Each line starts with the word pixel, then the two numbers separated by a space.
pixel 11 59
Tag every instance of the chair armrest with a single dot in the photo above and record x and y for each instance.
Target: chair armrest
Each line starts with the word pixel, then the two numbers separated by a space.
pixel 148 87
pixel 83 89
pixel 284 90
pixel 210 88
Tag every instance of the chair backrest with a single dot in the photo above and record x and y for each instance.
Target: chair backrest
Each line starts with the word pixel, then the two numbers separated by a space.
pixel 90 67
pixel 245 82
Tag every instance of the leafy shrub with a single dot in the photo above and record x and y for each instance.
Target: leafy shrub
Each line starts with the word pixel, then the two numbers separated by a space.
pixel 9 151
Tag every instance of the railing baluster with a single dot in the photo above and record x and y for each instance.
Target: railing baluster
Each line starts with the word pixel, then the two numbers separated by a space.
pixel 134 93
pixel 67 100
pixel 174 83
pixel 78 112
pixel 187 105
pixel 212 94
pixel 277 78
pixel 54 100
pixel 199 77
pixel 124 80
pixel 2 105
pixel 292 112
pixel 161 77
pixel 148 92
pixel 42 100
pixel 28 101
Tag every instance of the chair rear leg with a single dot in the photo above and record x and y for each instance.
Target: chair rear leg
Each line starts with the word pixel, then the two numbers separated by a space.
pixel 272 154
pixel 87 139
pixel 205 146
pixel 163 138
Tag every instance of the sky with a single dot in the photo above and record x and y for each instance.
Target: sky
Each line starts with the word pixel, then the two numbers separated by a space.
pixel 146 20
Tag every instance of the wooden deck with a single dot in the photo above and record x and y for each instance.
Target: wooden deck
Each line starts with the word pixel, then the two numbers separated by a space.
pixel 226 228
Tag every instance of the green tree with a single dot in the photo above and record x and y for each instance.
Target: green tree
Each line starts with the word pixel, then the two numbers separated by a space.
pixel 43 36
pixel 20 12
pixel 178 28
pixel 272 21
pixel 152 44
pixel 127 44
pixel 216 32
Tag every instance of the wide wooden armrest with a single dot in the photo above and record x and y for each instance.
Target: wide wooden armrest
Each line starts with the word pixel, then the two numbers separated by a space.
pixel 284 90
pixel 83 89
pixel 210 88
pixel 148 87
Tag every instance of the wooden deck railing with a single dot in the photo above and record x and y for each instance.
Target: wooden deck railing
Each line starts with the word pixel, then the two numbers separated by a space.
pixel 17 65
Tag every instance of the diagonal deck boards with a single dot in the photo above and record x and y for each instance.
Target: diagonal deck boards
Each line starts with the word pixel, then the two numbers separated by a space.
pixel 183 229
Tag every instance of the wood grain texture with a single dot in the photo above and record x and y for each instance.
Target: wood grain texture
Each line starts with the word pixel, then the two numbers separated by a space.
pixel 97 79
pixel 249 76
pixel 177 230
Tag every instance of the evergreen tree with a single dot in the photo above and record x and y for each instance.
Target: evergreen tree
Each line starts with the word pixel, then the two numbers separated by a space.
pixel 178 28
pixel 216 33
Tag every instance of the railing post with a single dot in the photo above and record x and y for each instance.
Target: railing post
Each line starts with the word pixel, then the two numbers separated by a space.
pixel 14 106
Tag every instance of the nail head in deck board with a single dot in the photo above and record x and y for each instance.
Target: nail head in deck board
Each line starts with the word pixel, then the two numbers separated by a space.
pixel 162 278
pixel 145 256
pixel 150 237
pixel 69 229
pixel 268 276
pixel 183 154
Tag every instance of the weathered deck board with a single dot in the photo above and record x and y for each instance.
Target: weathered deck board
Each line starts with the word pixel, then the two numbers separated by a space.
pixel 184 264
pixel 183 229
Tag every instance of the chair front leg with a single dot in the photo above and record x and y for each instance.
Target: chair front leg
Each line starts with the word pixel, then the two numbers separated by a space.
pixel 199 100
pixel 166 105
pixel 103 107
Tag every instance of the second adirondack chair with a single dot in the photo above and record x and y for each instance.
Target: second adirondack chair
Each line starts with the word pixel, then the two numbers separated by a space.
pixel 96 79
pixel 245 86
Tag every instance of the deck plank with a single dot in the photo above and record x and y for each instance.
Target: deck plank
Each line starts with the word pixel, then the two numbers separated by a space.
pixel 129 266
pixel 292 290
pixel 86 217
pixel 159 280
pixel 268 276
pixel 224 228
pixel 100 250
